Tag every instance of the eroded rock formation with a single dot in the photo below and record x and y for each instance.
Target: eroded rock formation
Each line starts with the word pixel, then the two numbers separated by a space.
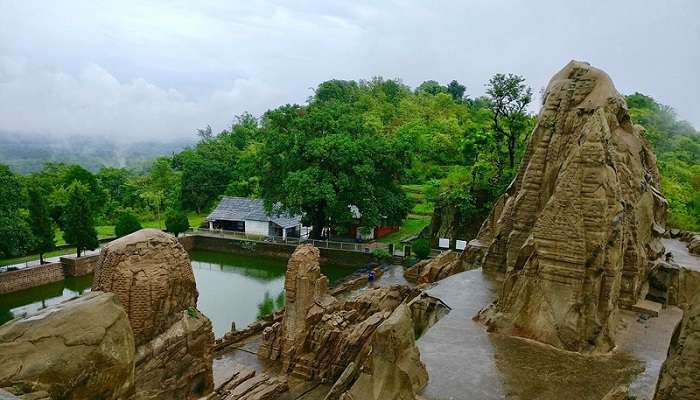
pixel 80 349
pixel 150 273
pixel 679 374
pixel 433 269
pixel 323 339
pixel 576 228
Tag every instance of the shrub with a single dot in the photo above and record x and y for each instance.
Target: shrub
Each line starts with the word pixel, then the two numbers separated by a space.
pixel 176 222
pixel 381 254
pixel 411 261
pixel 126 223
pixel 421 248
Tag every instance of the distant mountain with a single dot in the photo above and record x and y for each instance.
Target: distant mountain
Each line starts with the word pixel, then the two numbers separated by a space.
pixel 26 154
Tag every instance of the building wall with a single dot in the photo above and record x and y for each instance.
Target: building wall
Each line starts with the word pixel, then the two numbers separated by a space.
pixel 257 228
pixel 13 281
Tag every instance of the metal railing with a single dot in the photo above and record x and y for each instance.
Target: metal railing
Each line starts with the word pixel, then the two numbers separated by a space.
pixel 292 241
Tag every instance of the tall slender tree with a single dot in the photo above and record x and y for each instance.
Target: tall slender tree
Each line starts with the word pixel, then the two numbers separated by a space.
pixel 509 99
pixel 15 234
pixel 41 224
pixel 78 224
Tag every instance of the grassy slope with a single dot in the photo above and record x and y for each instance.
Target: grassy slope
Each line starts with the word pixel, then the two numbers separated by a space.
pixel 418 218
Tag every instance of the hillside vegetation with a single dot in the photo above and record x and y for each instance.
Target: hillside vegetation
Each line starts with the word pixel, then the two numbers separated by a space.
pixel 396 153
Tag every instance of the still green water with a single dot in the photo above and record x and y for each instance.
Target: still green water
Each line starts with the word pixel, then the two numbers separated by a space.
pixel 232 288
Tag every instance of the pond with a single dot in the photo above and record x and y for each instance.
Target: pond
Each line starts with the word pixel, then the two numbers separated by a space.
pixel 232 288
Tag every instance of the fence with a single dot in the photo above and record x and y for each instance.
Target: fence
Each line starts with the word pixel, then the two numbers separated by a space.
pixel 294 241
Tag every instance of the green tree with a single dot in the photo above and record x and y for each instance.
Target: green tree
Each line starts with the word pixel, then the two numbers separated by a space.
pixel 203 179
pixel 431 87
pixel 94 191
pixel 15 233
pixel 421 248
pixel 41 224
pixel 456 90
pixel 319 160
pixel 126 223
pixel 509 99
pixel 78 223
pixel 176 222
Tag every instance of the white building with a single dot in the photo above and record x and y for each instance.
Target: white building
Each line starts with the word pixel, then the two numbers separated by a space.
pixel 242 214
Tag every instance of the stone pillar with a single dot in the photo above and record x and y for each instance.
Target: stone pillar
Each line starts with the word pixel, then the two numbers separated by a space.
pixel 211 225
pixel 284 233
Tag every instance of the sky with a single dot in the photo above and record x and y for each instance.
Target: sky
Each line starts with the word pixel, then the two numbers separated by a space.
pixel 160 70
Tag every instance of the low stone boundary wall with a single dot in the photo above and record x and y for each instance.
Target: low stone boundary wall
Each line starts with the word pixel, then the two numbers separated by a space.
pixel 247 247
pixel 26 278
pixel 79 266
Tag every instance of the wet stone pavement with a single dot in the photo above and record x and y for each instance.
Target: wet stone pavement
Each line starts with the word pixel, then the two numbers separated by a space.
pixel 465 362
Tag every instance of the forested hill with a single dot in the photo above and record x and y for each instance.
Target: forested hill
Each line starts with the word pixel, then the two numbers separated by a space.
pixel 677 145
pixel 28 153
pixel 399 154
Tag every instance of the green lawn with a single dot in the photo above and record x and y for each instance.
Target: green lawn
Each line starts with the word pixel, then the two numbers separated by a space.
pixel 18 260
pixel 410 226
pixel 103 232
pixel 107 231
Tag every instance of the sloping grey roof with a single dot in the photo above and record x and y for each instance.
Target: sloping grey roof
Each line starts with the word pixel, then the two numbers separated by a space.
pixel 242 209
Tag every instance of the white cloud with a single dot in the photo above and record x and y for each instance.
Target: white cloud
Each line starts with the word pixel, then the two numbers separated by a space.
pixel 146 69
pixel 94 102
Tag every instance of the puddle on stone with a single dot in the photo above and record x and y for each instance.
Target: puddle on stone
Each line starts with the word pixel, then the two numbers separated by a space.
pixel 534 371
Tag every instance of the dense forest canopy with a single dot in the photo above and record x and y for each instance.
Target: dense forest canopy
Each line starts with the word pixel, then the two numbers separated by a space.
pixel 354 143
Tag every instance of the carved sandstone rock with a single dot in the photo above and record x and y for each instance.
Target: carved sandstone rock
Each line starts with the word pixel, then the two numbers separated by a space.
pixel 575 229
pixel 323 339
pixel 79 349
pixel 393 369
pixel 679 374
pixel 151 274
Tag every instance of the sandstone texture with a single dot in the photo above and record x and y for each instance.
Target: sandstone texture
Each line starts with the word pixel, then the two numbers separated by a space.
pixel 393 369
pixel 679 375
pixel 178 363
pixel 150 272
pixel 694 244
pixel 575 230
pixel 434 269
pixel 322 339
pixel 246 384
pixel 80 349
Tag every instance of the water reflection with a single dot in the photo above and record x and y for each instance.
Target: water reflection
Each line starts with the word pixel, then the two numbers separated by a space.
pixel 232 288
pixel 240 289
pixel 30 301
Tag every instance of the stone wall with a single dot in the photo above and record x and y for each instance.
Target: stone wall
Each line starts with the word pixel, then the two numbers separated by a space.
pixel 226 245
pixel 79 266
pixel 13 281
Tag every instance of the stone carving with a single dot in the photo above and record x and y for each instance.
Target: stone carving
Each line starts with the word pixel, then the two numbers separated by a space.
pixel 151 274
pixel 574 231
pixel 177 364
pixel 434 269
pixel 679 374
pixel 80 349
pixel 322 339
